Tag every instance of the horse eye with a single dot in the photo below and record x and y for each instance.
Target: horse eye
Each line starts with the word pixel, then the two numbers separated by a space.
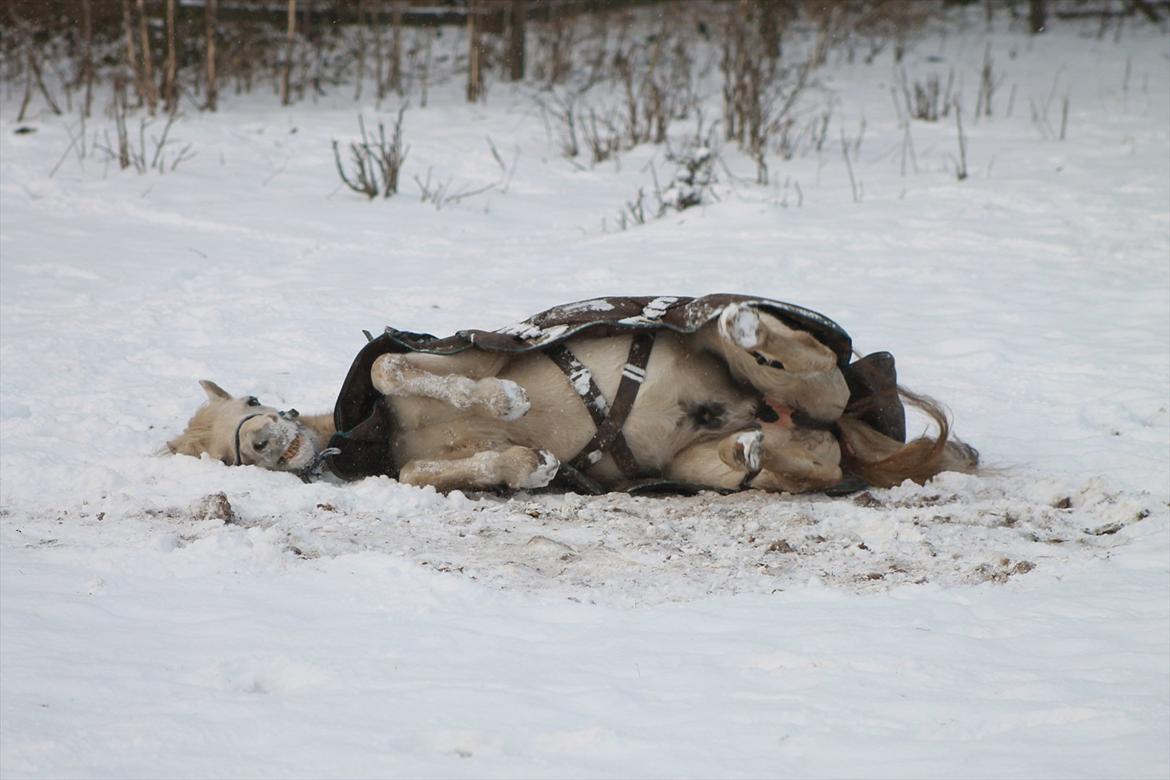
pixel 253 401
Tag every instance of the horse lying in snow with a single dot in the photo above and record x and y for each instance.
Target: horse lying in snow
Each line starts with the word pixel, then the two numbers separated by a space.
pixel 723 392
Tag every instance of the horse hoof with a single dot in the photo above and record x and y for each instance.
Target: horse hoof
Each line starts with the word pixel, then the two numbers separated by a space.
pixel 740 324
pixel 745 450
pixel 749 447
pixel 544 473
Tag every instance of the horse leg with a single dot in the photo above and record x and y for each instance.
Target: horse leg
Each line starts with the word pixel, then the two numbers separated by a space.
pixel 798 460
pixel 774 459
pixel 466 381
pixel 788 366
pixel 516 467
pixel 723 464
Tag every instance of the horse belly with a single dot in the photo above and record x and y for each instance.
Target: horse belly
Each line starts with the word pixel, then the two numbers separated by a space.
pixel 688 396
pixel 680 380
pixel 557 420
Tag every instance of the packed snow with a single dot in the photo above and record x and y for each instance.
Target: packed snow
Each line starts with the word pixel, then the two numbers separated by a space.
pixel 170 616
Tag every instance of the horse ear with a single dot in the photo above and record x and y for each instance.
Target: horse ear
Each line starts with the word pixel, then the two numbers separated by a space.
pixel 214 391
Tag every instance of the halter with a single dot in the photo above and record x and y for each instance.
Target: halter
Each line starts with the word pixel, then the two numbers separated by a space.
pixel 309 472
pixel 238 427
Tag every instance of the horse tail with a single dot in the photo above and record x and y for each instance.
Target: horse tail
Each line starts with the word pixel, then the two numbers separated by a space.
pixel 885 462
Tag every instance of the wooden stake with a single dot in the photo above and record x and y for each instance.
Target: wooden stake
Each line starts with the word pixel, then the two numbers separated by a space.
pixel 516 49
pixel 209 28
pixel 396 54
pixel 149 89
pixel 474 85
pixel 288 55
pixel 87 55
pixel 131 54
pixel 1037 15
pixel 170 90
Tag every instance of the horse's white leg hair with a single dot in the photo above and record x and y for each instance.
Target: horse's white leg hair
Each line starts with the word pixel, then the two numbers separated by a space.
pixel 809 379
pixel 466 381
pixel 789 460
pixel 516 467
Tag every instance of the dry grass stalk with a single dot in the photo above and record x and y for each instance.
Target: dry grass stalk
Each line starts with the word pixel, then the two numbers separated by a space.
pixel 376 162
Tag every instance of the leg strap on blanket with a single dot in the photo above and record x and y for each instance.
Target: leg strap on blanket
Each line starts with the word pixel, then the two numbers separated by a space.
pixel 608 417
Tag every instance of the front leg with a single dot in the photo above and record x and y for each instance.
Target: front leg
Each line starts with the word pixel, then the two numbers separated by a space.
pixel 518 468
pixel 453 381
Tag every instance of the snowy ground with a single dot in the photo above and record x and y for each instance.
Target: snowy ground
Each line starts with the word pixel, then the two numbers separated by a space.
pixel 1013 624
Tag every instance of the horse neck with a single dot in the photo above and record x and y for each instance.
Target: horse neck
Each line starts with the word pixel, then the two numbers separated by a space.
pixel 320 427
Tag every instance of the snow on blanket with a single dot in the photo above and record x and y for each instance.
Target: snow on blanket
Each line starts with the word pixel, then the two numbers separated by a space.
pixel 165 616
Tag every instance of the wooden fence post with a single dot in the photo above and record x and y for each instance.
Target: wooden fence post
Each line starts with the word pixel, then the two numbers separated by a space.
pixel 288 54
pixel 516 48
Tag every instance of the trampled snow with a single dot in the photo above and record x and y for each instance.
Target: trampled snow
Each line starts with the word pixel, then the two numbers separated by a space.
pixel 169 616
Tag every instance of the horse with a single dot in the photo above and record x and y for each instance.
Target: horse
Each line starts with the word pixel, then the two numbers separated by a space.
pixel 745 401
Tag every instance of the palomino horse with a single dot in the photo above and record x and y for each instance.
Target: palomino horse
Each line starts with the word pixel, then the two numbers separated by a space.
pixel 742 399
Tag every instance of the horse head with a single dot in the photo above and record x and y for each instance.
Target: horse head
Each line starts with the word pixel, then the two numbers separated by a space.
pixel 240 431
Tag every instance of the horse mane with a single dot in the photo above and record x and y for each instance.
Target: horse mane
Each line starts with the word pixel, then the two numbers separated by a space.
pixel 882 462
pixel 196 438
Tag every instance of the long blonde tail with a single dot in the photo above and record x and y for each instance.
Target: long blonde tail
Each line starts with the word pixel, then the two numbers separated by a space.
pixel 885 462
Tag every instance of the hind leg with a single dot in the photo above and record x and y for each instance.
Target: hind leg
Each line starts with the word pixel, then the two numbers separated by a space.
pixel 788 366
pixel 515 467
pixel 798 460
pixel 775 459
pixel 723 464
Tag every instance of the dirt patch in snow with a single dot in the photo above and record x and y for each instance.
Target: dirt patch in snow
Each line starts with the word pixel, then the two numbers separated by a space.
pixel 634 550
pixel 959 530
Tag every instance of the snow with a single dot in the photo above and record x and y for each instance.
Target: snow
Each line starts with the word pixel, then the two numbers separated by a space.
pixel 1015 623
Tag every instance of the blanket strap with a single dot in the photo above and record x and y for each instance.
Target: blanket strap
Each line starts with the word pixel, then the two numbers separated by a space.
pixel 609 418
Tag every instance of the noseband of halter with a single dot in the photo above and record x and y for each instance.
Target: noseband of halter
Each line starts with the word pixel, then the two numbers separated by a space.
pixel 238 428
pixel 309 472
